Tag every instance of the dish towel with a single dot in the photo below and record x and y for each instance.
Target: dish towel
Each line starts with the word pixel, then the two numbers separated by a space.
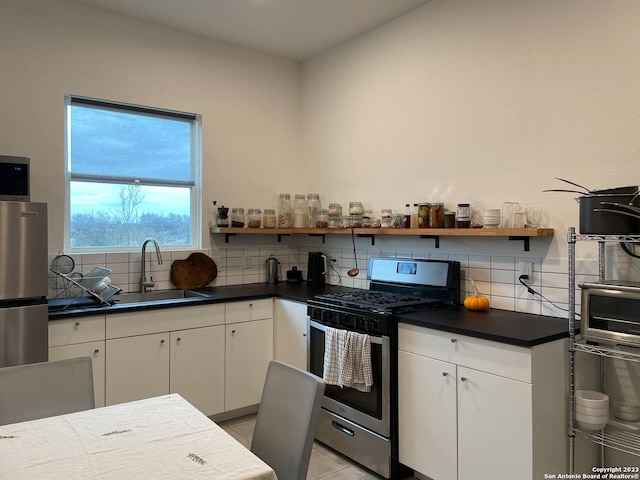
pixel 347 359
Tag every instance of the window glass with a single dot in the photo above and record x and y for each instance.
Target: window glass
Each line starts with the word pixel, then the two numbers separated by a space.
pixel 132 172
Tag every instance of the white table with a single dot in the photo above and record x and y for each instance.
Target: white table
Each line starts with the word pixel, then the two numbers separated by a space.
pixel 162 437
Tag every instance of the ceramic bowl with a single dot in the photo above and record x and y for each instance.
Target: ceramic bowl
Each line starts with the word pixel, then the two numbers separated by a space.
pixel 596 411
pixel 591 398
pixel 626 411
pixel 592 422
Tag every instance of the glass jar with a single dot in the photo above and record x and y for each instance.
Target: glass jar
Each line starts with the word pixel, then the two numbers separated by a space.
pixel 367 219
pixel 322 219
pixel 424 214
pixel 398 220
pixel 436 218
pixel 356 208
pixel 449 220
pixel 335 215
pixel 300 212
pixel 314 206
pixel 269 218
pixel 285 212
pixel 386 218
pixel 254 218
pixel 463 216
pixel 237 217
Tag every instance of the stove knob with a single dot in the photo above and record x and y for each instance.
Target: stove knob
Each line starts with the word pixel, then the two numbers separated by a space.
pixel 361 323
pixel 343 318
pixel 373 325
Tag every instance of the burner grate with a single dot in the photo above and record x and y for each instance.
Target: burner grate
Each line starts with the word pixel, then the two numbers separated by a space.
pixel 374 300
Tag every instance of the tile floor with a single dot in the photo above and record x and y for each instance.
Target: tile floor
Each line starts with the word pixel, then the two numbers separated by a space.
pixel 325 464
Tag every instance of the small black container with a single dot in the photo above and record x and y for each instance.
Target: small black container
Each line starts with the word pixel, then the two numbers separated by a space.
pixel 294 275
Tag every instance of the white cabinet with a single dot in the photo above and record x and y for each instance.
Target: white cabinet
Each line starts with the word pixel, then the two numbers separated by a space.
pixel 81 337
pixel 196 367
pixel 249 349
pixel 145 357
pixel 475 409
pixel 290 332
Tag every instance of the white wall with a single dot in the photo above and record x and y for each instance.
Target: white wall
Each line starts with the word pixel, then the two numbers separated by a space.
pixel 479 101
pixel 249 101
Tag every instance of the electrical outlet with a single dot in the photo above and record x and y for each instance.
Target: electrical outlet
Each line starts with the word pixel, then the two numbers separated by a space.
pixel 247 261
pixel 526 268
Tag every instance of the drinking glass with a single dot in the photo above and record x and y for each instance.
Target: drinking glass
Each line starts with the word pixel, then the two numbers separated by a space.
pixel 509 210
pixel 533 217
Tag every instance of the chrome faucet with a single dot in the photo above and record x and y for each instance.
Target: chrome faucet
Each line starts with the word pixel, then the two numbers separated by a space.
pixel 143 278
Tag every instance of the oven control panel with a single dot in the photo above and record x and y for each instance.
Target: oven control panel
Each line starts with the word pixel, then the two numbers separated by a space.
pixel 348 320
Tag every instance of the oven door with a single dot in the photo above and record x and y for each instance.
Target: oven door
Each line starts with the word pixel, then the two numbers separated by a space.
pixel 370 410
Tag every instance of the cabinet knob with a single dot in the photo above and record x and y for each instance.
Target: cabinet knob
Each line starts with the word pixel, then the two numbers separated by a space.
pixel 444 374
pixel 463 379
pixel 77 324
pixel 233 332
pixel 162 341
pixel 251 305
pixel 304 334
pixel 454 340
pixel 178 339
pixel 96 351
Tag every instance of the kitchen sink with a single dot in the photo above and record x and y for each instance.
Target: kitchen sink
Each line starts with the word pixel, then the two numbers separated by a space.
pixel 154 296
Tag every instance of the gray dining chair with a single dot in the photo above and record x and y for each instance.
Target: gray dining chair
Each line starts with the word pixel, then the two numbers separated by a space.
pixel 287 417
pixel 39 390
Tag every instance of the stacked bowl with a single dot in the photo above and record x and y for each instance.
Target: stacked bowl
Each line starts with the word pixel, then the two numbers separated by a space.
pixel 491 218
pixel 629 412
pixel 592 409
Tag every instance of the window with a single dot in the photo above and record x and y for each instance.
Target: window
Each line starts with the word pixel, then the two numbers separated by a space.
pixel 132 172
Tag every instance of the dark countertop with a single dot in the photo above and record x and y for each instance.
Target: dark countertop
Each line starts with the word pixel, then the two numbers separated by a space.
pixel 521 329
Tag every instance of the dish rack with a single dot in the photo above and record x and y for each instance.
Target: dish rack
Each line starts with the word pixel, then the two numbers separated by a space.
pixel 87 285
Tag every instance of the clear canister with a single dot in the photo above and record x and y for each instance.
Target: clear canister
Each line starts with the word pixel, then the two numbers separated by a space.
pixel 269 218
pixel 322 219
pixel 254 218
pixel 285 212
pixel 335 215
pixel 386 218
pixel 436 218
pixel 463 216
pixel 367 219
pixel 356 208
pixel 300 212
pixel 237 217
pixel 424 215
pixel 314 206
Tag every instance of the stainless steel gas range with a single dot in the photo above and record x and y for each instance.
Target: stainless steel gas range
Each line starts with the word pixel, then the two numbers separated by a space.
pixel 363 425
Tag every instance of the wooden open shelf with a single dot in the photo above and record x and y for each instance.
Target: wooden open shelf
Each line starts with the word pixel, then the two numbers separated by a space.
pixel 523 234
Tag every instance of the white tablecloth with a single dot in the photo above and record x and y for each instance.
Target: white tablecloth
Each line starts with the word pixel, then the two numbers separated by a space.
pixel 162 437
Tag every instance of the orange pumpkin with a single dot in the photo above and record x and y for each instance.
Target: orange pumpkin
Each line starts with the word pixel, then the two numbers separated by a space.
pixel 476 301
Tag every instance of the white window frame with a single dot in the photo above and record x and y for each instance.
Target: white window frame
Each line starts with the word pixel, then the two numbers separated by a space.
pixel 195 184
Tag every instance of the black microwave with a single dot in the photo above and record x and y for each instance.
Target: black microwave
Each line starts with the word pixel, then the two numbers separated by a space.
pixel 611 312
pixel 14 178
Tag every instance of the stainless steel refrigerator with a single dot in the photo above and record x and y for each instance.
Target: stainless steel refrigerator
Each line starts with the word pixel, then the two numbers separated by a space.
pixel 23 283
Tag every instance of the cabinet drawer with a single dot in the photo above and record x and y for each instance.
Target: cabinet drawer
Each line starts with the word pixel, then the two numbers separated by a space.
pixel 76 330
pixel 248 311
pixel 163 320
pixel 492 357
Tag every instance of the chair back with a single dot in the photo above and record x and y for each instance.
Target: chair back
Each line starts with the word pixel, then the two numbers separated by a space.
pixel 286 422
pixel 39 390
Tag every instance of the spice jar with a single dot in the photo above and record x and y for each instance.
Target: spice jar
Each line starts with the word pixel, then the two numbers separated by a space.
pixel 436 218
pixel 335 214
pixel 449 220
pixel 463 216
pixel 356 208
pixel 284 211
pixel 424 214
pixel 322 219
pixel 269 218
pixel 237 217
pixel 367 219
pixel 254 218
pixel 314 206
pixel 385 218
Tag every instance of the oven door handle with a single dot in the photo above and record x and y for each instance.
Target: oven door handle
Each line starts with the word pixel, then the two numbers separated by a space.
pixel 319 326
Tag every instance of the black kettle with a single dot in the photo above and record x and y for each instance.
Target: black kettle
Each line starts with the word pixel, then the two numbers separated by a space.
pixel 317 269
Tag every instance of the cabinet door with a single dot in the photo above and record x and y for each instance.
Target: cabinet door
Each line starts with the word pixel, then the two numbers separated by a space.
pixel 247 311
pixel 427 415
pixel 137 367
pixel 197 367
pixel 290 332
pixel 494 427
pixel 249 349
pixel 96 351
